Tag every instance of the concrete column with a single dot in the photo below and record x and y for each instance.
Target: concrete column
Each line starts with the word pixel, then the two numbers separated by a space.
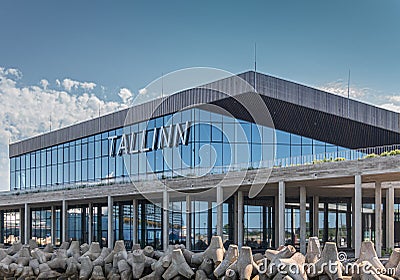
pixel 165 220
pixel 53 224
pixel 90 223
pixel 235 209
pixel 357 215
pixel 110 228
pixel 281 213
pixel 240 231
pixel 390 217
pixel 64 219
pixel 378 218
pixel 353 223
pixel 21 227
pixel 135 221
pixel 188 222
pixel 27 224
pixel 220 217
pixel 316 215
pixel 303 217
pixel 2 227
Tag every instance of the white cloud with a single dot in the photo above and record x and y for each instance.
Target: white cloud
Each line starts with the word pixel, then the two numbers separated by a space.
pixel 394 98
pixel 391 107
pixel 125 95
pixel 25 111
pixel 69 84
pixel 339 87
pixel 44 83
pixel 88 85
pixel 58 83
pixel 14 72
pixel 143 91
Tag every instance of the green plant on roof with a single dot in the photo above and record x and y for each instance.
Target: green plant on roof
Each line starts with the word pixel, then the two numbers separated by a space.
pixel 373 155
pixel 394 152
pixel 340 159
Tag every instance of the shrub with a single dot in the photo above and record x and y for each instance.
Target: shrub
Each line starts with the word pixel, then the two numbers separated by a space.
pixel 340 159
pixel 371 156
pixel 394 152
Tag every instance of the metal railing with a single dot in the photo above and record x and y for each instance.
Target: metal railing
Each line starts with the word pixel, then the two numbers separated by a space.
pixel 193 172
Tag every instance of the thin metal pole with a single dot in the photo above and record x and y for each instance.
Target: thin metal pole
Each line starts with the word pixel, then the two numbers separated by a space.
pixel 348 96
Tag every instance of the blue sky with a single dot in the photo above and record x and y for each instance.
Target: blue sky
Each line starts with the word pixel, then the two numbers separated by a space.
pixel 68 58
pixel 129 43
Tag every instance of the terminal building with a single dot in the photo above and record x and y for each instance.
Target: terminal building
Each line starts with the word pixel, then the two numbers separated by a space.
pixel 180 169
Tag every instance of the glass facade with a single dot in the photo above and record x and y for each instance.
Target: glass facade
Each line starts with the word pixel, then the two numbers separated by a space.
pixel 259 222
pixel 215 144
pixel 10 229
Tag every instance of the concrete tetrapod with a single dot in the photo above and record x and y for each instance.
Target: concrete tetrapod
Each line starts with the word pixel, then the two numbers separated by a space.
pixel 313 250
pixel 178 266
pixel 84 248
pixel 207 266
pixel 137 260
pixel 86 268
pixel 46 272
pixel 125 270
pixel 15 247
pixel 230 274
pixel 94 251
pixel 394 259
pixel 215 252
pixel 328 264
pixel 245 266
pixel 274 256
pixel 100 260
pixel 74 250
pixel 293 267
pixel 368 253
pixel 201 275
pixel 230 257
pixel 59 260
pixel 148 251
pixel 34 263
pixel 39 255
pixel 73 268
pixel 97 273
pixel 283 252
pixel 158 271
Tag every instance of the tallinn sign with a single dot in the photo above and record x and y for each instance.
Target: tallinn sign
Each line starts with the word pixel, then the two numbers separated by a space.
pixel 163 137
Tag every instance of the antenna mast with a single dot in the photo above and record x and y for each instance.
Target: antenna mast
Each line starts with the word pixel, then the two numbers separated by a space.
pixel 162 85
pixel 255 66
pixel 348 96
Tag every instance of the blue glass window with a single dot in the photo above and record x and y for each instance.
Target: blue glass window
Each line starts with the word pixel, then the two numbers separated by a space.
pixel 216 132
pixel 72 153
pixel 53 155
pixel 84 170
pixel 66 153
pixel 256 133
pixel 104 167
pixel 91 150
pixel 282 137
pixel 91 169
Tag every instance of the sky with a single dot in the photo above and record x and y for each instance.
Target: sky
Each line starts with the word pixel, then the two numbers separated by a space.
pixel 69 58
